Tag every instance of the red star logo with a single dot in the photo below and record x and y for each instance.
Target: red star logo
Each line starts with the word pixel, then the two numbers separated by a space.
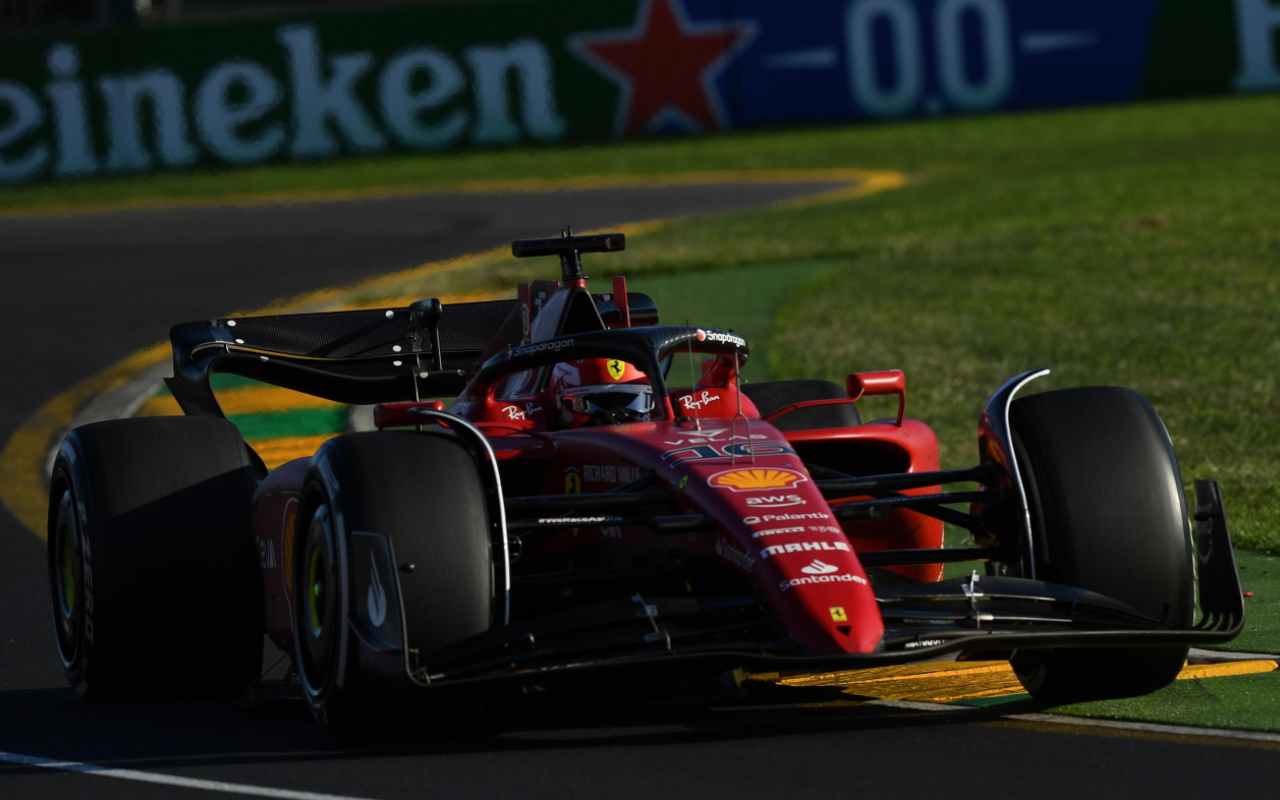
pixel 665 65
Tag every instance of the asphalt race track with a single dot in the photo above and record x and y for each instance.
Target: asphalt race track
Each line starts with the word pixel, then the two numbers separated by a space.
pixel 81 292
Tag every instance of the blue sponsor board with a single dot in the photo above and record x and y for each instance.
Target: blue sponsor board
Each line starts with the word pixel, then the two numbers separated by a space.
pixel 870 59
pixel 261 91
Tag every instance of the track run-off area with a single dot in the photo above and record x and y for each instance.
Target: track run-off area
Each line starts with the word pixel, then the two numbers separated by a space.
pixel 91 297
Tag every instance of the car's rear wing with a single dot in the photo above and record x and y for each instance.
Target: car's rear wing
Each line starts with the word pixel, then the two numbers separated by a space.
pixel 366 356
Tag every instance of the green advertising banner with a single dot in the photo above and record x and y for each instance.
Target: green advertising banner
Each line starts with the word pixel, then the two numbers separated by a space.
pixel 336 85
pixel 424 79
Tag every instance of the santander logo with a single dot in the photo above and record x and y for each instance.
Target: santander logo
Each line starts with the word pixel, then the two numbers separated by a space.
pixel 816 567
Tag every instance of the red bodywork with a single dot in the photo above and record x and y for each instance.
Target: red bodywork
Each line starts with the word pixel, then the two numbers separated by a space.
pixel 776 530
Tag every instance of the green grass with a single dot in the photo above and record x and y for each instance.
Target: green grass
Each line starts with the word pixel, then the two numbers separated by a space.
pixel 745 300
pixel 1242 702
pixel 1260 576
pixel 298 422
pixel 1248 702
pixel 1184 311
pixel 1183 133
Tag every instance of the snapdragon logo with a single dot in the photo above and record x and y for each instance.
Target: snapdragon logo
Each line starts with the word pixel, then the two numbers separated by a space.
pixel 721 337
pixel 545 347
pixel 239 112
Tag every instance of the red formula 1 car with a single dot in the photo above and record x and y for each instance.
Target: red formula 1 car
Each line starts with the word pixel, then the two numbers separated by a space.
pixel 603 494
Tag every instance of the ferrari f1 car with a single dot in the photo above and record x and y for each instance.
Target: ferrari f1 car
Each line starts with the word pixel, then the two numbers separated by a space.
pixel 580 507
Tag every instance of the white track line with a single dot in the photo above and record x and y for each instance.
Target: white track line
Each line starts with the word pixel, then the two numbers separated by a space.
pixel 80 767
pixel 1227 736
pixel 1197 654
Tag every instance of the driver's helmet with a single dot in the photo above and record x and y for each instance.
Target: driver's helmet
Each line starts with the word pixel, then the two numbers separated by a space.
pixel 600 391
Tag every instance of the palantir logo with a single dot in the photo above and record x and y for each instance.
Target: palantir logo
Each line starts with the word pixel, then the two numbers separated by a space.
pixel 816 567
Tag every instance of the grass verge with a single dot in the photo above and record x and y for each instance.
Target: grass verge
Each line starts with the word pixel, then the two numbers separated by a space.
pixel 956 147
pixel 1248 702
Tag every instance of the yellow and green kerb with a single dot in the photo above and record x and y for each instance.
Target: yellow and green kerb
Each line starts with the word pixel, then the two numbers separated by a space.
pixel 279 424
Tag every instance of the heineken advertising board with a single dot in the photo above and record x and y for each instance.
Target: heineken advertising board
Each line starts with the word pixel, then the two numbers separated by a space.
pixel 532 72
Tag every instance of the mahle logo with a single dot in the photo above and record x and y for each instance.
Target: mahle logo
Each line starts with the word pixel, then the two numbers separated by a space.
pixel 239 112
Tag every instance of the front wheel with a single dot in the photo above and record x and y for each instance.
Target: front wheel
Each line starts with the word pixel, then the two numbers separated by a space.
pixel 418 497
pixel 1108 514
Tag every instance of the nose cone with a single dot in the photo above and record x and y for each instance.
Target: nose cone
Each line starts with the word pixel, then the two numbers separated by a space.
pixel 771 510
pixel 819 586
pixel 773 523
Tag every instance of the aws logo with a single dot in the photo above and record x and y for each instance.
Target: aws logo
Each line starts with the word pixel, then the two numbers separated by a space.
pixel 775 501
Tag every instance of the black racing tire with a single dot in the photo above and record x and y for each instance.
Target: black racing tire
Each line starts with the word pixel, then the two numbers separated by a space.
pixel 153 571
pixel 772 396
pixel 1108 514
pixel 425 493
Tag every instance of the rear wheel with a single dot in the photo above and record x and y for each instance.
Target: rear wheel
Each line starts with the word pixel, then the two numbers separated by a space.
pixel 424 494
pixel 772 396
pixel 1108 514
pixel 152 569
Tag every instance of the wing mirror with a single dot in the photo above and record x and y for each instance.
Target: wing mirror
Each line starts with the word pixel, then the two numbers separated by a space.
pixel 889 381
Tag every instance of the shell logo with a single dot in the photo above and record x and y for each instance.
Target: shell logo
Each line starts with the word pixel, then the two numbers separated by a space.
pixel 756 479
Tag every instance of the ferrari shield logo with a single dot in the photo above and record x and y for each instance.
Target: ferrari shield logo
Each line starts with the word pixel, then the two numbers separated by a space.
pixel 616 368
pixel 837 614
pixel 572 481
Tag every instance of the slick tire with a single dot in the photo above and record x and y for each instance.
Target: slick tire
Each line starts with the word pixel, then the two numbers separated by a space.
pixel 424 493
pixel 772 396
pixel 152 566
pixel 1108 514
